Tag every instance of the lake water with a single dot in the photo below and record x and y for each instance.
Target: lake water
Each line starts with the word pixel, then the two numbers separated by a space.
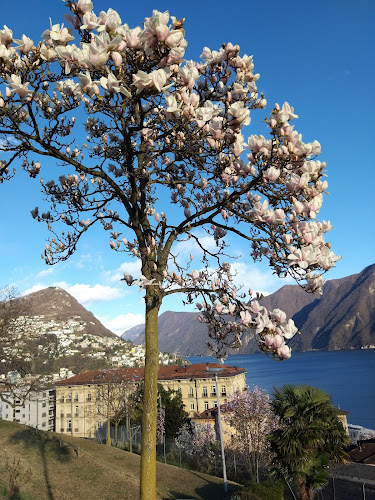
pixel 348 376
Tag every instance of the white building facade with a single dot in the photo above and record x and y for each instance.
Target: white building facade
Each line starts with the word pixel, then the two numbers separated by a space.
pixel 34 409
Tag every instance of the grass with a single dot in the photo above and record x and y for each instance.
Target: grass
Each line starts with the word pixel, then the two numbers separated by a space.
pixel 67 468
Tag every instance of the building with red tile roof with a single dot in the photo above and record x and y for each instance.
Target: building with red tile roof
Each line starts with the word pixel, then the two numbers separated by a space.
pixel 80 405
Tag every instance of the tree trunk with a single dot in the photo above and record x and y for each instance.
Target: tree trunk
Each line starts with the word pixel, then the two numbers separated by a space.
pixel 130 435
pixel 304 492
pixel 148 451
pixel 108 440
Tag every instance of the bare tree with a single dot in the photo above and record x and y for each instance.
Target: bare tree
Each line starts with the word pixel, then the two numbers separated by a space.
pixel 116 390
pixel 161 130
pixel 17 377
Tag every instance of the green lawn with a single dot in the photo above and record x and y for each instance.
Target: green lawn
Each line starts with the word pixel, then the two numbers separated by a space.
pixel 97 473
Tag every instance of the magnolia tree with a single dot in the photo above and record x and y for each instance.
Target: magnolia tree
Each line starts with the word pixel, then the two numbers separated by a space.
pixel 250 418
pixel 133 127
pixel 198 440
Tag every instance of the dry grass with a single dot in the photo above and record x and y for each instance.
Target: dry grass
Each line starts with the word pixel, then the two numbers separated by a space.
pixel 97 473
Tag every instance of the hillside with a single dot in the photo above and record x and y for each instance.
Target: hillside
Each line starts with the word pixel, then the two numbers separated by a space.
pixel 54 305
pixel 342 318
pixel 49 330
pixel 99 472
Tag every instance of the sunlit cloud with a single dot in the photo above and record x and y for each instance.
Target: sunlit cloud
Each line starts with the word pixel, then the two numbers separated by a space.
pixel 85 294
pixel 45 272
pixel 133 267
pixel 119 324
pixel 88 261
pixel 258 280
pixel 190 246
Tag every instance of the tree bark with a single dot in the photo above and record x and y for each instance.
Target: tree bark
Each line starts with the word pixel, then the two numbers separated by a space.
pixel 304 492
pixel 130 435
pixel 148 451
pixel 108 440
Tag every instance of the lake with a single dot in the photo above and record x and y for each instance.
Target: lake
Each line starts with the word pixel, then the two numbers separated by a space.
pixel 348 376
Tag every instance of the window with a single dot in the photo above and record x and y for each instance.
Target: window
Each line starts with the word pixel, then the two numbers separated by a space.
pixel 98 396
pixel 43 424
pixel 213 390
pixel 76 413
pixel 89 396
pixel 215 404
pixel 44 405
pixel 98 424
pixel 69 398
pixel 191 392
pixel 44 394
pixel 69 426
pixel 44 414
pixel 76 397
pixel 98 409
pixel 61 400
pixel 23 415
pixel 205 394
pixel 192 406
pixel 206 405
pixel 223 390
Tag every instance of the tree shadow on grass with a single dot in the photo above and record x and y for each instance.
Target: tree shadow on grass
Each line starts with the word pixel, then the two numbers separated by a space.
pixel 48 447
pixel 210 491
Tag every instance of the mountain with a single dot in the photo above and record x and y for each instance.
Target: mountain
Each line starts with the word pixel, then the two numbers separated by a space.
pixel 54 307
pixel 342 318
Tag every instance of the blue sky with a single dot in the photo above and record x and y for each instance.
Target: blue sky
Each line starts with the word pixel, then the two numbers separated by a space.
pixel 318 56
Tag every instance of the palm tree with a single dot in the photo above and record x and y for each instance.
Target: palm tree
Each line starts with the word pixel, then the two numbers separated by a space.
pixel 310 434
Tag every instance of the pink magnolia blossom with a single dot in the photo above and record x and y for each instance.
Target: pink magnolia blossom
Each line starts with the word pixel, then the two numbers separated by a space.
pixel 18 87
pixel 284 352
pixel 6 36
pixel 84 6
pixel 25 44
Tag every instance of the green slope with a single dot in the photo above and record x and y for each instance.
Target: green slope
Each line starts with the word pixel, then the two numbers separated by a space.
pixel 67 468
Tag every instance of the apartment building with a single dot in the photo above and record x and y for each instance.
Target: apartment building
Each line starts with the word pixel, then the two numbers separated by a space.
pixel 81 401
pixel 35 408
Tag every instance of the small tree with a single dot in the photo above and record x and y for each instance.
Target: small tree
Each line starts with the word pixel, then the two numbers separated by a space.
pixel 250 417
pixel 160 130
pixel 175 414
pixel 18 376
pixel 310 434
pixel 198 441
pixel 116 391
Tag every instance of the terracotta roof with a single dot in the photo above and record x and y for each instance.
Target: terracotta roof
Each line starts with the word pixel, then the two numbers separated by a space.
pixel 171 372
pixel 364 452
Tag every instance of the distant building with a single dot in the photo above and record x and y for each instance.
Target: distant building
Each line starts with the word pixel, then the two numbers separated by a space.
pixel 341 415
pixel 35 409
pixel 80 407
